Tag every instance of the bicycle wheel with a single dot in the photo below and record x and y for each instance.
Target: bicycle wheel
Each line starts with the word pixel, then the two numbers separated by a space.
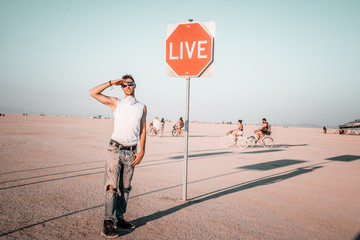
pixel 226 141
pixel 242 142
pixel 160 132
pixel 174 132
pixel 151 132
pixel 251 141
pixel 268 142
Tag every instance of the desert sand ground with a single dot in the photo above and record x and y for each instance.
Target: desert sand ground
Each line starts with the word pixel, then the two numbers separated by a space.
pixel 52 171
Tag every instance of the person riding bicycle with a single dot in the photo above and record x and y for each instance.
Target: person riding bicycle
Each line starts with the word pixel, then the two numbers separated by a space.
pixel 263 130
pixel 237 131
pixel 156 124
pixel 179 125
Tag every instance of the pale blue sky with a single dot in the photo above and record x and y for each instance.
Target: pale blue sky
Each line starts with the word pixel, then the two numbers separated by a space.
pixel 290 61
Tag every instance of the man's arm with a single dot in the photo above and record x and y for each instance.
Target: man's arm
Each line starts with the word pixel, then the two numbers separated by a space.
pixel 238 128
pixel 110 101
pixel 139 156
pixel 262 126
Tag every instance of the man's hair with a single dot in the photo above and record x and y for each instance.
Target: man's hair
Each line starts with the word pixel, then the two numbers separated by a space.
pixel 240 120
pixel 128 76
pixel 264 119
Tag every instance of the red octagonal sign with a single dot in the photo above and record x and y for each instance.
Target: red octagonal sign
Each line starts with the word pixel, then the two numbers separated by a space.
pixel 189 50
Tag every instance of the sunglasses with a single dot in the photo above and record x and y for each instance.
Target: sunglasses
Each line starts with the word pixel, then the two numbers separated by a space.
pixel 127 84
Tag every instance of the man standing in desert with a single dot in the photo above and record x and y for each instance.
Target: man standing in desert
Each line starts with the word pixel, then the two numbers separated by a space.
pixel 129 129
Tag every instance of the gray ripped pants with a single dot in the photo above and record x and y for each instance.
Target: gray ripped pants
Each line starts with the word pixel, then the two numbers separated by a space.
pixel 118 176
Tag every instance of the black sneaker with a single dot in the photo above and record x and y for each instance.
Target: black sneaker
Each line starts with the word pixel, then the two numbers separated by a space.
pixel 109 229
pixel 122 224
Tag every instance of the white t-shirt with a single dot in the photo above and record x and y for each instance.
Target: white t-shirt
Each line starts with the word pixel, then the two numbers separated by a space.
pixel 157 123
pixel 127 121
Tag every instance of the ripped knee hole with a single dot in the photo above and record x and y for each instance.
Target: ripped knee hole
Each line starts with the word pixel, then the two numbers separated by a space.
pixel 111 188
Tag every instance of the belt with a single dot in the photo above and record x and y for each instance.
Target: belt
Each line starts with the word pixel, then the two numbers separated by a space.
pixel 120 146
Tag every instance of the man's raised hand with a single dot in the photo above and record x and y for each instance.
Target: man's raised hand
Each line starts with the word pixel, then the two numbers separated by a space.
pixel 117 82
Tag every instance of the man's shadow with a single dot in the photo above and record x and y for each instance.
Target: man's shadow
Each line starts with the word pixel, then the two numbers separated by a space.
pixel 222 192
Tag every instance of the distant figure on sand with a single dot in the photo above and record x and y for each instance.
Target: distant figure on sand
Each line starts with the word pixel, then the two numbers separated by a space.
pixel 162 123
pixel 263 130
pixel 342 131
pixel 129 128
pixel 324 130
pixel 237 131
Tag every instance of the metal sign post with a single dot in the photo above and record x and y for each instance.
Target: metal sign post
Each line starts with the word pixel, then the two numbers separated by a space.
pixel 186 138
